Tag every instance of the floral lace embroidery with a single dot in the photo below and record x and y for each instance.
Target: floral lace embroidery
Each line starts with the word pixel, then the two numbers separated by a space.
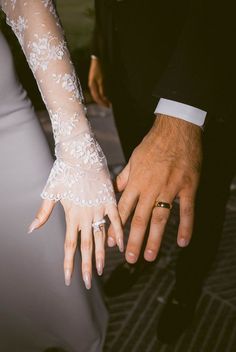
pixel 13 4
pixel 44 50
pixel 82 151
pixel 50 6
pixel 69 177
pixel 19 26
pixel 61 124
pixel 80 172
pixel 70 83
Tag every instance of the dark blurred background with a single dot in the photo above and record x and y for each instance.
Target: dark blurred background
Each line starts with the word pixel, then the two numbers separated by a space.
pixel 134 315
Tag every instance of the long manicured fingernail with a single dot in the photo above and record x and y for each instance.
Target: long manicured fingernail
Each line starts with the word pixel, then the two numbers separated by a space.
pixel 131 257
pixel 100 267
pixel 120 244
pixel 183 242
pixel 111 242
pixel 67 277
pixel 149 255
pixel 33 225
pixel 87 280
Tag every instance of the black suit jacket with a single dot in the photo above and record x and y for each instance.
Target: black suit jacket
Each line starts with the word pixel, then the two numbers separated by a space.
pixel 181 50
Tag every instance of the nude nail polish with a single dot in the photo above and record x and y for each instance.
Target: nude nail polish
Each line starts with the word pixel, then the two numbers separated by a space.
pixel 120 244
pixel 100 267
pixel 182 242
pixel 87 280
pixel 33 225
pixel 111 242
pixel 67 277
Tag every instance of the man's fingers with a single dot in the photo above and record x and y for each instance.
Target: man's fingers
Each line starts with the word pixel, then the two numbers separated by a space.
pixel 94 90
pixel 102 95
pixel 69 249
pixel 138 228
pixel 86 253
pixel 42 215
pixel 122 178
pixel 186 220
pixel 126 205
pixel 157 227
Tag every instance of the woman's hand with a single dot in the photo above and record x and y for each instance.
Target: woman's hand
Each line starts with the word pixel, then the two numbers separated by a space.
pixel 80 179
pixel 79 220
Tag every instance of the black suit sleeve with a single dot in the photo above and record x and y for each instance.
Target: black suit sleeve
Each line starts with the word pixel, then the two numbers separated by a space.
pixel 200 70
pixel 97 38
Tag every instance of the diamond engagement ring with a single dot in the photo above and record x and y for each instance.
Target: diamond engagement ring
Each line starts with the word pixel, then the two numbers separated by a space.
pixel 97 225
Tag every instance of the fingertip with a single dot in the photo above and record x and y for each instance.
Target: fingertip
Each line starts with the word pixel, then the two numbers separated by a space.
pixel 67 277
pixel 111 242
pixel 34 225
pixel 131 257
pixel 150 255
pixel 120 243
pixel 183 242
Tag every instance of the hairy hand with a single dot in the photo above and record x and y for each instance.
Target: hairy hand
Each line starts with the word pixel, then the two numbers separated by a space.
pixel 164 166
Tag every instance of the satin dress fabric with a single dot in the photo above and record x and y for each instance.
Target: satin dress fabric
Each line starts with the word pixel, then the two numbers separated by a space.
pixel 37 310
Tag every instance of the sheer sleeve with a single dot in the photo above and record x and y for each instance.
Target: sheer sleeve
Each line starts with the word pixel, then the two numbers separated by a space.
pixel 80 172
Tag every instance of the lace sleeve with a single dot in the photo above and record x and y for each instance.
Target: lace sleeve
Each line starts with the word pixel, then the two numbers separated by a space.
pixel 80 171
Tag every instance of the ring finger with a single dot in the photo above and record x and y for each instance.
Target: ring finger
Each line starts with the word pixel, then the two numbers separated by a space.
pixel 160 215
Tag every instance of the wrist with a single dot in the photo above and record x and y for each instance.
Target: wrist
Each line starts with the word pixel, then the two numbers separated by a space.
pixel 171 123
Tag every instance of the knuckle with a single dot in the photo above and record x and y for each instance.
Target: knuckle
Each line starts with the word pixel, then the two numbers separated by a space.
pixel 99 254
pixel 152 246
pixel 139 221
pixel 188 210
pixel 159 218
pixel 86 245
pixel 68 265
pixel 70 244
pixel 122 208
pixel 42 214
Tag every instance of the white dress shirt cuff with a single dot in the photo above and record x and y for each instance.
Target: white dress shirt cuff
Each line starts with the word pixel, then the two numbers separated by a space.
pixel 181 111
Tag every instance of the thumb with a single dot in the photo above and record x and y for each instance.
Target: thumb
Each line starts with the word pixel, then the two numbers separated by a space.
pixel 42 215
pixel 122 179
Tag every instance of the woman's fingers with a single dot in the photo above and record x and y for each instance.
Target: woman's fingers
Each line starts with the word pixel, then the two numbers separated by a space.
pixel 86 253
pixel 42 215
pixel 117 227
pixel 99 233
pixel 70 248
pixel 99 239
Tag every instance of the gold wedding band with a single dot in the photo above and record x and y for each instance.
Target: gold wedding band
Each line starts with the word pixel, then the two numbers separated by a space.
pixel 165 205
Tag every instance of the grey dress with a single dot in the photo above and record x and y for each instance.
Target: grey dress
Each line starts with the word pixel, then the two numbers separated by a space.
pixel 37 310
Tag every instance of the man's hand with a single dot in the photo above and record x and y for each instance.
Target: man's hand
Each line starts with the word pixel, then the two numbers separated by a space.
pixel 95 83
pixel 164 166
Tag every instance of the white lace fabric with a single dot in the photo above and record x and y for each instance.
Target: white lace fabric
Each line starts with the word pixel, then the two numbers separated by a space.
pixel 80 172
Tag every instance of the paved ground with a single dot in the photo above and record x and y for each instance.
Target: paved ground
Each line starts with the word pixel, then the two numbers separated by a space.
pixel 133 316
